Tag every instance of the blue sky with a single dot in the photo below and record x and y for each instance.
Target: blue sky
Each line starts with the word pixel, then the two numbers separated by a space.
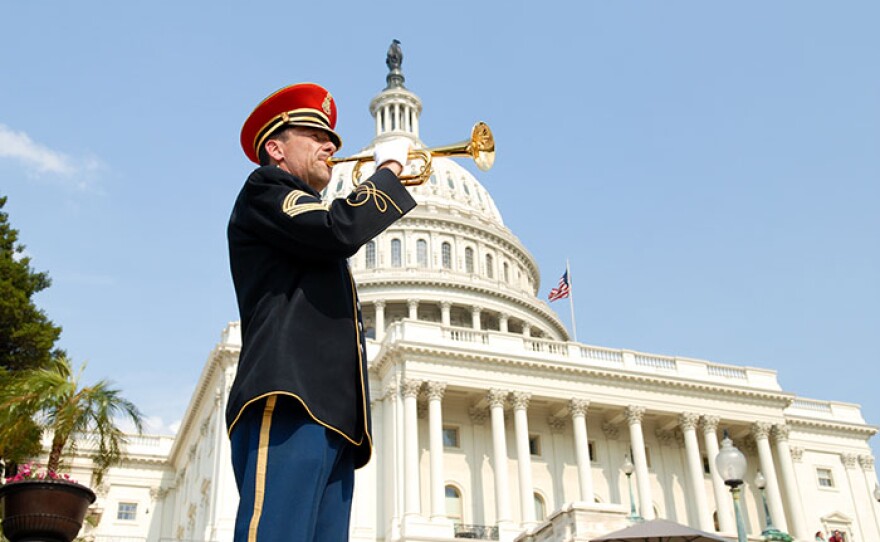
pixel 710 170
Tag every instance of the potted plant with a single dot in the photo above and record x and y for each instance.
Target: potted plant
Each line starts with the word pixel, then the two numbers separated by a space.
pixel 52 402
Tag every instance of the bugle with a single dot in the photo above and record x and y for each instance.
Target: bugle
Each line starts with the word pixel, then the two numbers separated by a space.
pixel 480 148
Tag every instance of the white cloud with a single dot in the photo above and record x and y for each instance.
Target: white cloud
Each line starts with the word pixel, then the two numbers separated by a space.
pixel 153 425
pixel 40 160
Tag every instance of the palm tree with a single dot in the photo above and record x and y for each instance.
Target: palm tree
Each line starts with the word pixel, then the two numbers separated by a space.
pixel 52 401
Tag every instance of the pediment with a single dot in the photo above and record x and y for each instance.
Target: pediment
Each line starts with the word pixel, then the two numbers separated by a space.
pixel 836 517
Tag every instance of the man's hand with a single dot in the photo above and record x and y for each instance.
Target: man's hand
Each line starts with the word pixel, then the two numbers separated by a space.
pixel 392 154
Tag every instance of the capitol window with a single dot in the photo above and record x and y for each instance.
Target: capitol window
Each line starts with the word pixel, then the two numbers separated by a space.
pixel 127 511
pixel 396 253
pixel 535 445
pixel 450 437
pixel 469 260
pixel 446 253
pixel 540 507
pixel 826 478
pixel 422 252
pixel 453 504
pixel 370 253
pixel 490 266
pixel 506 272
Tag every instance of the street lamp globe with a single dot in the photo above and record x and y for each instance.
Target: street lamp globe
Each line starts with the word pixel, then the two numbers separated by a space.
pixel 731 462
pixel 760 481
pixel 628 468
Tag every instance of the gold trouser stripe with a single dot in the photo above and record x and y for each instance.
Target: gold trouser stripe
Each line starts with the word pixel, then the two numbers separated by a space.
pixel 262 459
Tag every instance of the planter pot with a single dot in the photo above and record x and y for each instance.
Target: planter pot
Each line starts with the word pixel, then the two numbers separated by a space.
pixel 44 510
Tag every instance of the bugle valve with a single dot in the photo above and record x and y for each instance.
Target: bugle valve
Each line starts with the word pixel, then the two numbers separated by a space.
pixel 480 148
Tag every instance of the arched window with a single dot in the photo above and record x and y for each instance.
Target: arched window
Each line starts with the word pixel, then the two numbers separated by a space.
pixel 422 252
pixel 370 253
pixel 469 260
pixel 490 266
pixel 506 272
pixel 449 181
pixel 446 252
pixel 453 504
pixel 540 508
pixel 396 253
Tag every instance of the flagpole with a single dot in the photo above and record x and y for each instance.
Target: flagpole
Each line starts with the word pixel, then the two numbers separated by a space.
pixel 571 300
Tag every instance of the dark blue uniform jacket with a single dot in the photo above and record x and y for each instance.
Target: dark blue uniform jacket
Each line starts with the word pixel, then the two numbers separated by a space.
pixel 300 318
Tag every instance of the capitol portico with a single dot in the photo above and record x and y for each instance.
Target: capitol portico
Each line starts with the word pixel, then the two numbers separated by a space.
pixel 490 423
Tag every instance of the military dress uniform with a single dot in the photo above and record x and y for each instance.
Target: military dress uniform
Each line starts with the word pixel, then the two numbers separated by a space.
pixel 298 413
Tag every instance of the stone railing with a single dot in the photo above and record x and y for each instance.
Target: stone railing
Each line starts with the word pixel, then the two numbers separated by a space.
pixel 478 532
pixel 578 354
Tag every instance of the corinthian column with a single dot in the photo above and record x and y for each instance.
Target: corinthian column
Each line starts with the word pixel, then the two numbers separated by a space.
pixel 722 497
pixel 475 317
pixel 435 432
pixel 634 416
pixel 411 447
pixel 789 483
pixel 445 313
pixel 524 458
pixel 761 432
pixel 688 422
pixel 413 307
pixel 390 474
pixel 578 408
pixel 499 456
pixel 380 319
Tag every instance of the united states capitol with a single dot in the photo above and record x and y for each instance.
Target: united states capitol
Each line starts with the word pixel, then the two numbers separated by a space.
pixel 491 423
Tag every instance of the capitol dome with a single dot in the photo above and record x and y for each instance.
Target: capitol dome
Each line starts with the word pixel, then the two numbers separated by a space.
pixel 449 261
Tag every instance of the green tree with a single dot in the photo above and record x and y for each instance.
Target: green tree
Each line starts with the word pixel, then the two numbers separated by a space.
pixel 52 400
pixel 27 336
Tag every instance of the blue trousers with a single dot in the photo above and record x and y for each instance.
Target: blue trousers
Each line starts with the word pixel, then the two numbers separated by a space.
pixel 295 478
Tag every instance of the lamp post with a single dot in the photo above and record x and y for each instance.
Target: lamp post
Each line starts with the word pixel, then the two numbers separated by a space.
pixel 628 469
pixel 731 464
pixel 770 532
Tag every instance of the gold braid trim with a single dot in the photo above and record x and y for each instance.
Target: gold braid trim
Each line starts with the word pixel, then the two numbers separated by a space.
pixel 290 208
pixel 262 462
pixel 367 191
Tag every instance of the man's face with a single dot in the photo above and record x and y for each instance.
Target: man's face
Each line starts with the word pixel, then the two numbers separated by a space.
pixel 304 153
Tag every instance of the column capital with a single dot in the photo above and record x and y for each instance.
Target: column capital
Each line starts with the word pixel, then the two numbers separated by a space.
pixel 797 454
pixel 412 303
pixel 578 407
pixel 520 400
pixel 557 424
pixel 688 421
pixel 781 432
pixel 867 462
pixel 710 424
pixel 849 460
pixel 446 305
pixel 411 388
pixel 497 397
pixel 435 390
pixel 634 414
pixel 665 438
pixel 476 308
pixel 379 304
pixel 390 390
pixel 611 431
pixel 761 430
pixel 478 415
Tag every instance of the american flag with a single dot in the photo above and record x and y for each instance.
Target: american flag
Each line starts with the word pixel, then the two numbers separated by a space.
pixel 562 290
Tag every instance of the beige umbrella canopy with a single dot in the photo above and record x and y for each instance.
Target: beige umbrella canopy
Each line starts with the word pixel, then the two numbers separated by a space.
pixel 659 530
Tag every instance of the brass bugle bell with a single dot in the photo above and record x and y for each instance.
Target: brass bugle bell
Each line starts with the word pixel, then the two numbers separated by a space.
pixel 480 148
